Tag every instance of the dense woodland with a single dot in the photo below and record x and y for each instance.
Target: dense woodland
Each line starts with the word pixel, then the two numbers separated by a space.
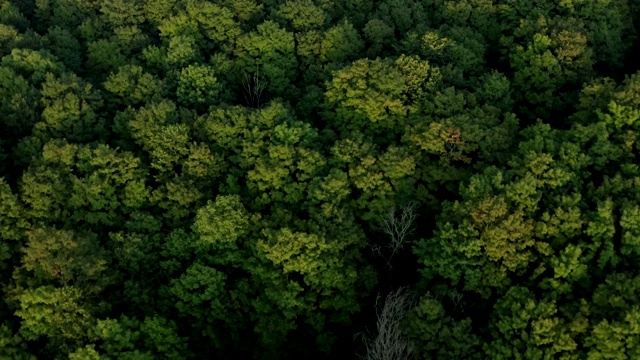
pixel 319 179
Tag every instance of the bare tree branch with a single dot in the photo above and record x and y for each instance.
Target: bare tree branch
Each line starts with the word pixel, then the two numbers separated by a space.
pixel 254 85
pixel 390 342
pixel 397 225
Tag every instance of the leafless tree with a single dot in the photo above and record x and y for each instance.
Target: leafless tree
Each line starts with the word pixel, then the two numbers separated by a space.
pixel 390 343
pixel 454 297
pixel 397 224
pixel 254 86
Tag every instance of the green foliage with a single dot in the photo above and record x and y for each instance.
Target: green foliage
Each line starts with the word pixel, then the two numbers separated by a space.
pixel 122 13
pixel 86 353
pixel 60 257
pixel 302 14
pixel 222 221
pixel 614 334
pixel 198 87
pixel 66 47
pixel 132 86
pixel 17 117
pixel 269 51
pixel 379 34
pixel 12 223
pixel 438 335
pixel 366 97
pixel 459 51
pixel 531 329
pixel 216 23
pixel 341 43
pixel 65 13
pixel 70 107
pixel 79 184
pixel 104 56
pixel 32 65
pixel 201 295
pixel 9 38
pixel 157 11
pixel 133 339
pixel 10 15
pixel 187 179
pixel 181 51
pixel 53 312
pixel 12 346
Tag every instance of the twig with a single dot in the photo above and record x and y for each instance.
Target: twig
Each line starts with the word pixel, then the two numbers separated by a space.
pixel 390 342
pixel 254 85
pixel 398 224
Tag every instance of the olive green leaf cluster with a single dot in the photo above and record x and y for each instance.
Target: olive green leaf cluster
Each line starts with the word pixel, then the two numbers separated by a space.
pixel 249 179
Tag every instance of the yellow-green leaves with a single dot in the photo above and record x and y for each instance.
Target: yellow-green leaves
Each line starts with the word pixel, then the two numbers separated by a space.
pixel 198 87
pixel 122 13
pixel 615 333
pixel 529 328
pixel 71 110
pixel 132 86
pixel 296 252
pixel 81 183
pixel 216 23
pixel 33 65
pixel 630 227
pixel 13 346
pixel 53 311
pixel 302 14
pixel 129 338
pixel 367 97
pixel 224 220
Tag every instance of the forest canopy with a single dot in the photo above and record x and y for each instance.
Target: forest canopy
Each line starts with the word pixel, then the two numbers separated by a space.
pixel 319 179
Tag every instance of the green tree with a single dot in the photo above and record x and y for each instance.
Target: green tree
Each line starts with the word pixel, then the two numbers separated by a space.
pixel 301 15
pixel 68 14
pixel 131 85
pixel 18 117
pixel 366 97
pixel 64 258
pixel 132 339
pixel 436 334
pixel 526 328
pixel 340 44
pixel 12 225
pixel 198 87
pixel 271 51
pixel 181 51
pixel 379 35
pixel 11 15
pixel 122 13
pixel 157 11
pixel 32 65
pixel 216 23
pixel 614 332
pixel 53 312
pixel 80 184
pixel 66 47
pixel 12 346
pixel 103 57
pixel 71 110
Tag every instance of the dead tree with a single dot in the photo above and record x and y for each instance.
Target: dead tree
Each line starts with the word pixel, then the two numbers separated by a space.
pixel 390 343
pixel 397 224
pixel 254 86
